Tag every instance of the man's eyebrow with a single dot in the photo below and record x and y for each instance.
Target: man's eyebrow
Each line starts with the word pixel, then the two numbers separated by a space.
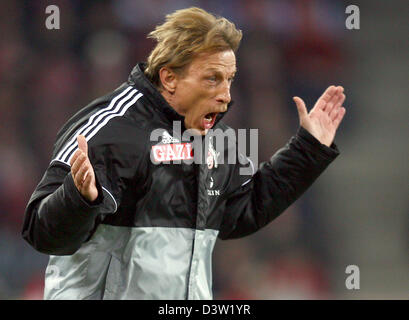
pixel 218 70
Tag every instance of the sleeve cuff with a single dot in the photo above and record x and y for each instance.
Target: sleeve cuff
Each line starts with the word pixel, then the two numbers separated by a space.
pixel 77 200
pixel 313 144
pixel 109 202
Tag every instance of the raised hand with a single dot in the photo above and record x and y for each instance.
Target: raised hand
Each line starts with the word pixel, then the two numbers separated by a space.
pixel 82 171
pixel 324 118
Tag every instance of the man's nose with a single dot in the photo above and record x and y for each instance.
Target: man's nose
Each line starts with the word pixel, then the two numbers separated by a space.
pixel 224 95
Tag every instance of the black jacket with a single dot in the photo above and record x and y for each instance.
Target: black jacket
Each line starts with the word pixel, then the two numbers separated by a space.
pixel 151 231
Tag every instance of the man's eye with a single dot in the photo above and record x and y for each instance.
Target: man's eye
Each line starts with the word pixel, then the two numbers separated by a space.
pixel 213 78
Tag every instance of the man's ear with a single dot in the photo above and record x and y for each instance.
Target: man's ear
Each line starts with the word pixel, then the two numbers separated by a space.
pixel 168 79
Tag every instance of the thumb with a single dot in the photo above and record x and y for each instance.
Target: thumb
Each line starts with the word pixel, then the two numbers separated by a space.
pixel 302 109
pixel 82 144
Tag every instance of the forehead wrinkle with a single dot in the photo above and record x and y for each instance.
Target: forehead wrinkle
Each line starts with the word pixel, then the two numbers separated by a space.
pixel 216 60
pixel 210 68
pixel 221 69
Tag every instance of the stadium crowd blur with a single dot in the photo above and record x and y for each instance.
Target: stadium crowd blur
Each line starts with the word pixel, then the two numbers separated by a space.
pixel 47 75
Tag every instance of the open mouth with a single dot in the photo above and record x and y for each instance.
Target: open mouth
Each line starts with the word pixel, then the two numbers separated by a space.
pixel 209 119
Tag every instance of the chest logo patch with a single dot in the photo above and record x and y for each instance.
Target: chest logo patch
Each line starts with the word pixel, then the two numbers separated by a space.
pixel 172 152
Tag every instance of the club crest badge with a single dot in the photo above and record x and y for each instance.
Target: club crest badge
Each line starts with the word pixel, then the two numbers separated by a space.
pixel 212 155
pixel 210 161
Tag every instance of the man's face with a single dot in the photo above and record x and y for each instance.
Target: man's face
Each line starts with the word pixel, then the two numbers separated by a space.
pixel 202 90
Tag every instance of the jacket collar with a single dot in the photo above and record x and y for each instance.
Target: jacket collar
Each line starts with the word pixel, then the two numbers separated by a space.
pixel 138 79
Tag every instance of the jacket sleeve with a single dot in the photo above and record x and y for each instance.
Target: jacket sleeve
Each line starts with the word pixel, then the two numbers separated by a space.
pixel 276 185
pixel 58 220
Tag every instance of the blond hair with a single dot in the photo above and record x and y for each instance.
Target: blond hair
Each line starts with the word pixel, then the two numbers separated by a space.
pixel 186 33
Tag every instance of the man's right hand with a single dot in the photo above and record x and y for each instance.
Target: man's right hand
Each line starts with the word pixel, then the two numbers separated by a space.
pixel 82 171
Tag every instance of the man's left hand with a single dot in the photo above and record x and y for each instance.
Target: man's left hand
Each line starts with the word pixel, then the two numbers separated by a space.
pixel 324 118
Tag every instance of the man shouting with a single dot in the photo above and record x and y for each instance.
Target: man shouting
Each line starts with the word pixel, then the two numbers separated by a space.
pixel 125 217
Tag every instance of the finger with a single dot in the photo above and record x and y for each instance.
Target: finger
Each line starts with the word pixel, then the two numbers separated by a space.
pixel 78 163
pixel 341 100
pixel 87 180
pixel 328 93
pixel 339 117
pixel 334 103
pixel 82 144
pixel 301 108
pixel 86 175
pixel 337 107
pixel 80 176
pixel 325 97
pixel 330 104
pixel 75 156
